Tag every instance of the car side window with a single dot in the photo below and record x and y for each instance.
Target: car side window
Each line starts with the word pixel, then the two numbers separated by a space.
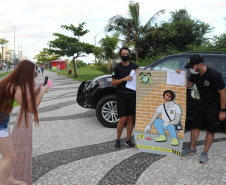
pixel 172 64
pixel 223 70
pixel 213 63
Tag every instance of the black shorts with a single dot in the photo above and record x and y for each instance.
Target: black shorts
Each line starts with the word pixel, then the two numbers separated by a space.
pixel 206 116
pixel 126 104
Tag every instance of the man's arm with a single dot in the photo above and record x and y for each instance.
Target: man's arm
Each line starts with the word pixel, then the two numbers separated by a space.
pixel 189 84
pixel 115 82
pixel 222 101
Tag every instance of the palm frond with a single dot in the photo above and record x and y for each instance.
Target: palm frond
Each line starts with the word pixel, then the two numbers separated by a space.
pixel 134 14
pixel 154 18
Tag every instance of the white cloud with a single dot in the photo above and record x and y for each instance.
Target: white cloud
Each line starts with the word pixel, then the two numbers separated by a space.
pixel 217 3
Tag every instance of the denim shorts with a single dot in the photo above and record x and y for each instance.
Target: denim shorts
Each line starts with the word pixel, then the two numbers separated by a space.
pixel 4 132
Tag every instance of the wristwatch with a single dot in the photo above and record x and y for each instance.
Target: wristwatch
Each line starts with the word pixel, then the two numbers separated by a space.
pixel 223 110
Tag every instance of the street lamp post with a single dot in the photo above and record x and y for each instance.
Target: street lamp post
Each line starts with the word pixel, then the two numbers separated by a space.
pixel 95 45
pixel 6 59
pixel 14 54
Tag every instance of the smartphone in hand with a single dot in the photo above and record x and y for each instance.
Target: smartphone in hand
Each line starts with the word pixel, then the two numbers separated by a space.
pixel 46 79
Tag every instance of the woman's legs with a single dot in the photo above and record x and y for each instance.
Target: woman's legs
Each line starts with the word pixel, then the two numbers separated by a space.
pixel 6 165
pixel 8 155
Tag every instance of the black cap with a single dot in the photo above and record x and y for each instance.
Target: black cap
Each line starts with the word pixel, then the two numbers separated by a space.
pixel 194 59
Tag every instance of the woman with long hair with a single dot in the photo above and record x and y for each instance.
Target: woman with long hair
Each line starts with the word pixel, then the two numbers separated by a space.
pixel 17 88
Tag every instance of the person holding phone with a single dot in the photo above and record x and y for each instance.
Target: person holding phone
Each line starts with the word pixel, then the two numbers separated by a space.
pixel 18 88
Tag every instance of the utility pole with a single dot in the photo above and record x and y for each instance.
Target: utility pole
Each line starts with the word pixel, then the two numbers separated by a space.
pixel 14 49
pixel 7 65
pixel 14 54
pixel 95 46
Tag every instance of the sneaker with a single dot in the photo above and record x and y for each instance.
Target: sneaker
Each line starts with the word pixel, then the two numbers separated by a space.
pixel 117 144
pixel 204 157
pixel 174 142
pixel 130 144
pixel 161 138
pixel 188 151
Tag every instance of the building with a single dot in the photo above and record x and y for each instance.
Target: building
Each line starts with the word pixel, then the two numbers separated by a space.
pixel 54 64
pixel 8 54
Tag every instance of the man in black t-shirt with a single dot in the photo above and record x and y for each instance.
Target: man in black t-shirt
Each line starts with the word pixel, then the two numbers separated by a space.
pixel 126 98
pixel 210 109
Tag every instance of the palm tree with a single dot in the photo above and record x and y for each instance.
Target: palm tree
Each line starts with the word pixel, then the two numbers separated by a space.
pixel 108 46
pixel 106 51
pixel 3 41
pixel 130 27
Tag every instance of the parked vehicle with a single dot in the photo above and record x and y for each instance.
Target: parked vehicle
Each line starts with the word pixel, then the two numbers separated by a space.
pixel 100 95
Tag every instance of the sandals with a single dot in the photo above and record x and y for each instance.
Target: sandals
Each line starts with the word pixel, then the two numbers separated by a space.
pixel 22 183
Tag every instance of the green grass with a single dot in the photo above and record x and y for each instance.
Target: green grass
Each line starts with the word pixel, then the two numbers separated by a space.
pixel 4 74
pixel 84 73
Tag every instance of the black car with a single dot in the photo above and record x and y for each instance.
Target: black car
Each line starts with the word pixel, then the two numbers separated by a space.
pixel 100 95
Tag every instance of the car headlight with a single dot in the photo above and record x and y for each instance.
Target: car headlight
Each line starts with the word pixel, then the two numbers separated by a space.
pixel 91 85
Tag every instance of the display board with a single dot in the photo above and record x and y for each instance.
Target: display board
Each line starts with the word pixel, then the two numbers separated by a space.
pixel 165 113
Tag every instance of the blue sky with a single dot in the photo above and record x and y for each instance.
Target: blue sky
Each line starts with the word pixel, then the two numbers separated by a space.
pixel 36 20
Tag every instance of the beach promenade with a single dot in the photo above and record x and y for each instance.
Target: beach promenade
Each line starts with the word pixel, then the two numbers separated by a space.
pixel 71 147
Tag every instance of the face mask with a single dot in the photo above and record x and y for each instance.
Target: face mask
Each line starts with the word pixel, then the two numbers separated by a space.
pixel 125 58
pixel 194 71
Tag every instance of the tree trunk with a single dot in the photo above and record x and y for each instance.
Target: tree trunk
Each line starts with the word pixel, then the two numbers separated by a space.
pixel 75 74
pixel 137 54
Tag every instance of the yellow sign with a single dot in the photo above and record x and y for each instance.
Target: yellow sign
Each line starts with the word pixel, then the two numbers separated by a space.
pixel 140 136
pixel 159 149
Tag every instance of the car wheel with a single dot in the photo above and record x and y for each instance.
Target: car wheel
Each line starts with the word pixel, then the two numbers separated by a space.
pixel 106 111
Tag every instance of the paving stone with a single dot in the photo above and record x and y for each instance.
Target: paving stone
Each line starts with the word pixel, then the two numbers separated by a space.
pixel 71 147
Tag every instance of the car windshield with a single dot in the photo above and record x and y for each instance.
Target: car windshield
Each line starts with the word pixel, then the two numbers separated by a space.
pixel 169 64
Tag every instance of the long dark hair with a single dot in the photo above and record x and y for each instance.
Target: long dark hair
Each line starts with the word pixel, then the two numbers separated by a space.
pixel 22 77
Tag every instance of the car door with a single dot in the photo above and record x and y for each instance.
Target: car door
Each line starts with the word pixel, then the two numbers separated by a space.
pixel 223 69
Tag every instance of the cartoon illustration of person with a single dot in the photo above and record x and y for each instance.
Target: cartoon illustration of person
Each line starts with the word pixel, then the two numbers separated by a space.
pixel 171 114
